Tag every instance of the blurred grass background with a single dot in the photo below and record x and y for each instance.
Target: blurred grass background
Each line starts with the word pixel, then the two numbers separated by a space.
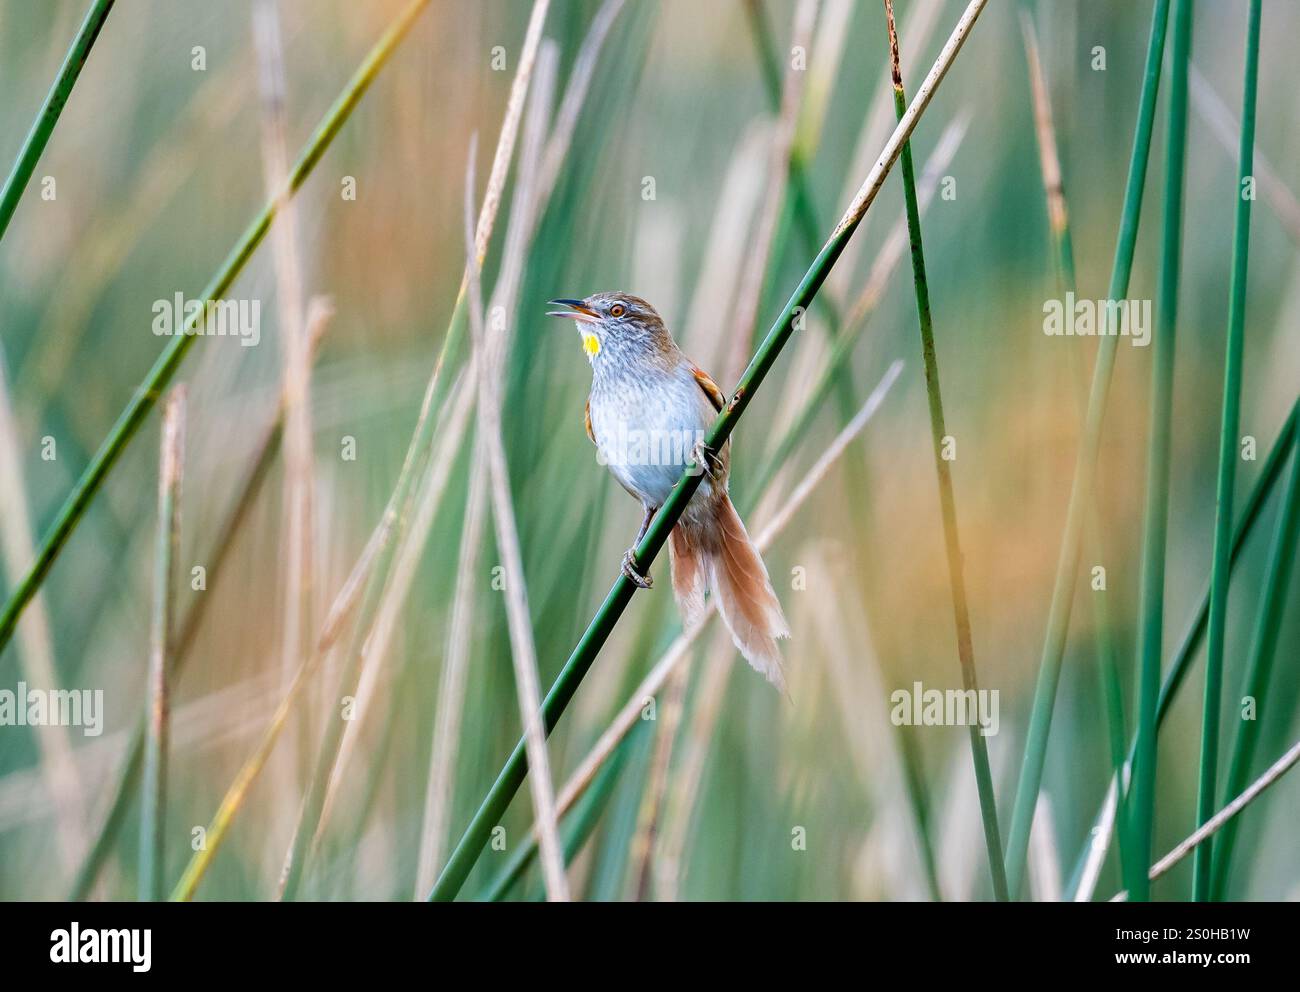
pixel 157 171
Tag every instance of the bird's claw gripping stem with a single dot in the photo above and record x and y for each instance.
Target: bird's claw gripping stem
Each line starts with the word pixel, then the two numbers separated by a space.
pixel 630 569
pixel 705 460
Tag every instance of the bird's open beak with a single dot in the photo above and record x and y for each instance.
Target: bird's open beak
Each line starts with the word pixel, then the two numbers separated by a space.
pixel 574 310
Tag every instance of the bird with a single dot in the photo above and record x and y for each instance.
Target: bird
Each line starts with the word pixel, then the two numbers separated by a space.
pixel 648 413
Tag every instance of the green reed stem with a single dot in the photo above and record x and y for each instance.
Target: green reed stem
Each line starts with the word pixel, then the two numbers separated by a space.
pixel 947 500
pixel 1058 623
pixel 804 211
pixel 156 380
pixel 584 654
pixel 1259 667
pixel 1058 216
pixel 1140 807
pixel 1221 568
pixel 39 135
pixel 578 824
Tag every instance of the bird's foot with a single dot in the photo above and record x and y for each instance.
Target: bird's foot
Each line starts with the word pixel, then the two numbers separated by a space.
pixel 630 569
pixel 705 460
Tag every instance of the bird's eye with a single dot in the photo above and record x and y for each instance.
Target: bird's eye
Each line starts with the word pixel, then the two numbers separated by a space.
pixel 617 310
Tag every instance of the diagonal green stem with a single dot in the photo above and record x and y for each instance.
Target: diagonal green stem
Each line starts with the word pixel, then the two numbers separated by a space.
pixel 1058 621
pixel 156 380
pixel 584 654
pixel 1221 568
pixel 1141 803
pixel 578 825
pixel 38 137
pixel 947 500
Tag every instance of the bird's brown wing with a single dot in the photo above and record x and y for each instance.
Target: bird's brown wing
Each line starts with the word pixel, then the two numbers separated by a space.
pixel 711 390
pixel 590 433
pixel 717 399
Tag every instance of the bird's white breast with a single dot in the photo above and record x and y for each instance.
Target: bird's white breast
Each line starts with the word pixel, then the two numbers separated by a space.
pixel 646 427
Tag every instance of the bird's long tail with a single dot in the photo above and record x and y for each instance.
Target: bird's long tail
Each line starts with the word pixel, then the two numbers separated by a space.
pixel 714 554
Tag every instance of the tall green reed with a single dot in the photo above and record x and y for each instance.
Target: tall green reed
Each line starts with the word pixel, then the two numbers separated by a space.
pixel 1058 621
pixel 1221 568
pixel 943 469
pixel 1194 632
pixel 1058 220
pixel 1140 805
pixel 1259 664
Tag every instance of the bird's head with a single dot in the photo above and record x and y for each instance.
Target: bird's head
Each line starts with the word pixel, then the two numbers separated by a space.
pixel 615 323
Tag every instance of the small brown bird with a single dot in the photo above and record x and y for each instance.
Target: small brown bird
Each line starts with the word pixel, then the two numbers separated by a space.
pixel 649 411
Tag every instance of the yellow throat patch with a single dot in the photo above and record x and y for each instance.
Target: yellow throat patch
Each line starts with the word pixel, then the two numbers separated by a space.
pixel 590 344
